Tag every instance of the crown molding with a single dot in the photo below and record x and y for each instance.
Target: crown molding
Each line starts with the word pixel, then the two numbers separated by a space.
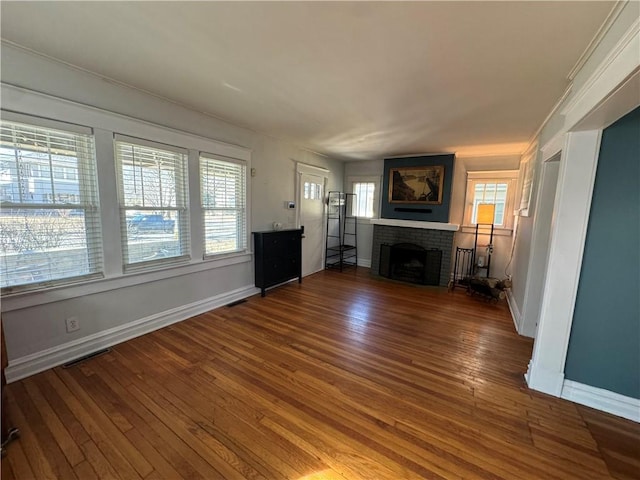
pixel 619 64
pixel 597 38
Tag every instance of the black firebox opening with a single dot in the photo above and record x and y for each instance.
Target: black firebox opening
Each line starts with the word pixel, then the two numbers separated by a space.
pixel 411 263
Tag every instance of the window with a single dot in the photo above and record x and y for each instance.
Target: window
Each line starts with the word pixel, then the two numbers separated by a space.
pixel 312 191
pixel 223 194
pixel 363 206
pixel 152 183
pixel 366 191
pixel 49 228
pixel 496 188
pixel 492 193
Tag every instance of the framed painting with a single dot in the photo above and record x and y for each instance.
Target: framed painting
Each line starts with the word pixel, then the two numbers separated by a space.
pixel 416 185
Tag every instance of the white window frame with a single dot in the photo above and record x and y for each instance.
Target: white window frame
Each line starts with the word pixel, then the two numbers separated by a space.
pixel 242 233
pixel 181 208
pixel 104 125
pixel 376 180
pixel 91 206
pixel 510 177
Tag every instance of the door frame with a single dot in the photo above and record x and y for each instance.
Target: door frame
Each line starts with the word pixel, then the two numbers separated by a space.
pixel 610 93
pixel 540 243
pixel 305 168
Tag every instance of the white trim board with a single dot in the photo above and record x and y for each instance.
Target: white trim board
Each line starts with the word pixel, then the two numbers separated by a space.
pixel 568 233
pixel 601 399
pixel 364 262
pixel 513 308
pixel 619 64
pixel 37 362
pixel 21 100
pixel 391 222
pixel 73 290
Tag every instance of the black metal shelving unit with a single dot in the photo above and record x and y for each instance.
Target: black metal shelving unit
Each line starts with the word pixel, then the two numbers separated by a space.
pixel 484 229
pixel 341 246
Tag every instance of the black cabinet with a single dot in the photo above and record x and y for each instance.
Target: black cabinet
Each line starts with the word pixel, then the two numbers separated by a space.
pixel 278 257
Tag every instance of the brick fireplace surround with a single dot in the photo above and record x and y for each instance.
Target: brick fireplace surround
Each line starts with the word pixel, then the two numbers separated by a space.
pixel 426 234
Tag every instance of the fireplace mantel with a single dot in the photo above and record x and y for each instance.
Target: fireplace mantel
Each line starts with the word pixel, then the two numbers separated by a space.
pixel 391 222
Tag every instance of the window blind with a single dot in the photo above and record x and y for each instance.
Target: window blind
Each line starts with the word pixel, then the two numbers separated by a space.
pixel 223 194
pixel 49 220
pixel 152 183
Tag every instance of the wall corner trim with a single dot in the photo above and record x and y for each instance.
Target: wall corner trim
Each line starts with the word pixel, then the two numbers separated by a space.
pixel 545 380
pixel 513 308
pixel 37 362
pixel 601 399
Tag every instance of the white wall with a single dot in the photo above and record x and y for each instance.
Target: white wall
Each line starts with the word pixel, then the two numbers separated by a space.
pixel 365 229
pixel 33 328
pixel 464 238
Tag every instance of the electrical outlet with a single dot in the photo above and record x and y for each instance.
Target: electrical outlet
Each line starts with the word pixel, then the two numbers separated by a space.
pixel 73 324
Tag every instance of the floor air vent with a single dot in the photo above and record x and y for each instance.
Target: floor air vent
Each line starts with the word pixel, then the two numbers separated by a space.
pixel 85 358
pixel 237 302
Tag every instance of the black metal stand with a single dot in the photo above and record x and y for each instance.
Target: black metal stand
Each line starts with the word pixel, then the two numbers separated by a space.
pixel 463 268
pixel 341 247
pixel 489 249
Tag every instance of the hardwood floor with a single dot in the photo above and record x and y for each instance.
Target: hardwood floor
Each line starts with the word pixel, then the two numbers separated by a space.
pixel 342 377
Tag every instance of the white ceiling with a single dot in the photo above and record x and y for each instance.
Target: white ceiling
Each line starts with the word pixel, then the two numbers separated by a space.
pixel 351 80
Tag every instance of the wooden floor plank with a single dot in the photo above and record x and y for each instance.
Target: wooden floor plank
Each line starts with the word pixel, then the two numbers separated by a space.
pixel 62 437
pixel 101 466
pixel 34 451
pixel 17 463
pixel 345 376
pixel 99 429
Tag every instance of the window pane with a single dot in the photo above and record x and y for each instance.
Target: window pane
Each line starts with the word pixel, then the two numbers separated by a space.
pixel 223 190
pixel 499 217
pixel 153 190
pixel 154 236
pixel 363 206
pixel 495 193
pixel 49 224
pixel 151 177
pixel 501 192
pixel 490 193
pixel 221 231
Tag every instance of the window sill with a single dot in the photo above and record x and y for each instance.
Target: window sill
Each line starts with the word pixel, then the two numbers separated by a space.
pixel 499 231
pixel 68 291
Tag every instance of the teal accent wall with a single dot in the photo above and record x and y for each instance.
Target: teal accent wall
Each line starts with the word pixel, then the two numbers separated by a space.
pixel 604 347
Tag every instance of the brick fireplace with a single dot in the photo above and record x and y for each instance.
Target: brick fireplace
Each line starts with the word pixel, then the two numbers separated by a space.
pixel 429 235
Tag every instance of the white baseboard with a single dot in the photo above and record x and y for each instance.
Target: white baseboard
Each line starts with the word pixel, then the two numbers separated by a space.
pixel 602 399
pixel 37 362
pixel 364 262
pixel 544 380
pixel 513 308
